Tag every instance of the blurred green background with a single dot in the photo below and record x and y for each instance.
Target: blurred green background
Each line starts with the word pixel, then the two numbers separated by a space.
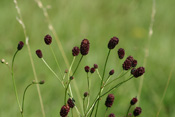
pixel 97 21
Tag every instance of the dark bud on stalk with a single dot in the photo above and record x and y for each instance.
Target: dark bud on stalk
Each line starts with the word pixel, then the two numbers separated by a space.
pixel 66 71
pixel 127 64
pixel 133 70
pixel 133 101
pixel 92 70
pixel 64 111
pixel 42 82
pixel 113 42
pixel 75 51
pixel 20 45
pixel 86 68
pixel 39 53
pixel 84 47
pixel 134 63
pixel 109 100
pixel 71 78
pixel 121 53
pixel 139 72
pixel 86 94
pixel 111 115
pixel 111 72
pixel 137 111
pixel 48 39
pixel 70 103
pixel 95 66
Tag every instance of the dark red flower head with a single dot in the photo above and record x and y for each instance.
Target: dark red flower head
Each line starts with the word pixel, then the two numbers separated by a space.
pixel 139 72
pixel 111 115
pixel 70 103
pixel 127 64
pixel 134 63
pixel 71 78
pixel 75 51
pixel 95 66
pixel 86 68
pixel 113 42
pixel 48 39
pixel 92 70
pixel 39 53
pixel 109 100
pixel 133 101
pixel 64 111
pixel 84 47
pixel 137 111
pixel 111 72
pixel 86 94
pixel 133 70
pixel 20 45
pixel 121 53
pixel 42 82
pixel 130 58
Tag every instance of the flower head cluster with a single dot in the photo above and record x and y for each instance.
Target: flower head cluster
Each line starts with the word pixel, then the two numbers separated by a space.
pixel 48 39
pixel 109 100
pixel 84 47
pixel 64 110
pixel 70 103
pixel 113 42
pixel 137 111
pixel 20 45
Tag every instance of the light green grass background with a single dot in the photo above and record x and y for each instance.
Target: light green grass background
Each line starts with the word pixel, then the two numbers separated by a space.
pixel 98 21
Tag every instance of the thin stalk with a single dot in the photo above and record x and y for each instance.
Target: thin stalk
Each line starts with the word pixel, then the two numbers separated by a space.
pixel 121 75
pixel 116 86
pixel 98 74
pixel 98 97
pixel 56 60
pixel 128 110
pixel 14 84
pixel 20 20
pixel 88 91
pixel 66 91
pixel 77 65
pixel 24 96
pixel 102 80
pixel 84 105
pixel 106 111
pixel 52 71
pixel 72 112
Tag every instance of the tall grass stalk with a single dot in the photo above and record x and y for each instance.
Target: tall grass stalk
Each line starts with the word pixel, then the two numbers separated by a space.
pixel 165 90
pixel 20 20
pixel 147 46
pixel 51 28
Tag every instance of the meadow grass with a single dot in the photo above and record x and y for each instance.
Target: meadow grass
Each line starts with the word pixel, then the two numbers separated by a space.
pixel 98 21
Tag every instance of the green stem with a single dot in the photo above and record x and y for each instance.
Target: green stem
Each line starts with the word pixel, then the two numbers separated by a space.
pixel 102 80
pixel 56 61
pixel 98 97
pixel 14 84
pixel 53 72
pixel 106 111
pixel 98 74
pixel 84 105
pixel 121 75
pixel 116 86
pixel 77 65
pixel 88 91
pixel 24 97
pixel 128 110
pixel 66 91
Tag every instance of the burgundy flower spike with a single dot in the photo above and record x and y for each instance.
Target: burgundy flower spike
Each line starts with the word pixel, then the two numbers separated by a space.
pixel 75 51
pixel 109 100
pixel 84 47
pixel 39 53
pixel 48 39
pixel 113 42
pixel 20 45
